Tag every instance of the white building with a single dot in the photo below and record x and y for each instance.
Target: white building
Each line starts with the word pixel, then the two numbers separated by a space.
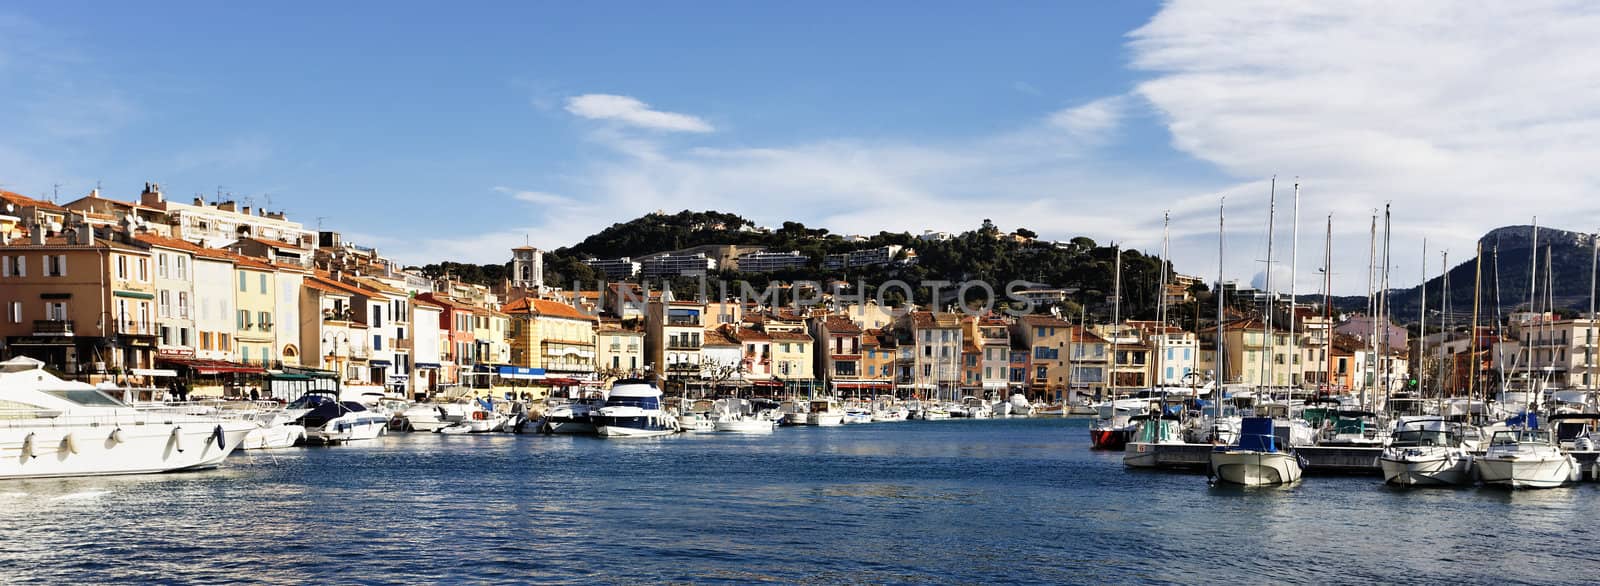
pixel 215 316
pixel 426 341
pixel 216 226
pixel 766 262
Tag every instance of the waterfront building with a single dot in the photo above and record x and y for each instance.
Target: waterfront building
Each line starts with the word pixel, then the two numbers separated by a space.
pixel 175 294
pixel 673 332
pixel 553 337
pixel 877 360
pixel 325 340
pixel 756 353
pixel 256 296
pixel 457 340
pixel 274 251
pixel 840 360
pixel 1561 354
pixel 721 359
pixel 936 343
pixel 389 325
pixel 620 348
pixel 82 304
pixel 1048 343
pixel 223 223
pixel 18 212
pixel 427 342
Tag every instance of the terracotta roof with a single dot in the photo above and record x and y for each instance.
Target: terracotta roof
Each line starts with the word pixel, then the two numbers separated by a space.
pixel 841 325
pixel 326 280
pixel 1082 334
pixel 749 335
pixel 969 347
pixel 719 338
pixel 545 307
pixel 24 201
pixel 791 336
pixel 1044 320
pixel 323 286
pixel 928 319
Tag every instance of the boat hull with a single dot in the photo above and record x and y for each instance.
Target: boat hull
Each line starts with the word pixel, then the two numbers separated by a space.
pixel 1527 472
pixel 1140 455
pixel 1436 470
pixel 826 419
pixel 340 430
pixel 745 426
pixel 567 426
pixel 109 450
pixel 1109 439
pixel 1248 468
pixel 618 431
pixel 273 438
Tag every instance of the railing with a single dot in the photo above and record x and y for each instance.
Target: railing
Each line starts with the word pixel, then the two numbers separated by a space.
pixel 680 321
pixel 401 344
pixel 52 327
pixel 681 345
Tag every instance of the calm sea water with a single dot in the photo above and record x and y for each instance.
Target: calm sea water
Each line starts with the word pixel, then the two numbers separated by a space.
pixel 962 501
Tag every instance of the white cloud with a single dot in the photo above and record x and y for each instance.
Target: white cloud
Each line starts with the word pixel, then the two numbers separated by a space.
pixel 630 111
pixel 540 198
pixel 1091 121
pixel 1465 117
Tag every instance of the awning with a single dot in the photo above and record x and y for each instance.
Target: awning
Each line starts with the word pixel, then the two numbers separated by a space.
pixel 766 383
pixel 380 363
pixel 862 385
pixel 520 372
pixel 153 372
pixel 133 294
pixel 426 365
pixel 204 366
pixel 561 382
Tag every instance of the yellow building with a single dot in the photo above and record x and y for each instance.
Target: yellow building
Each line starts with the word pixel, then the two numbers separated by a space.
pixel 255 295
pixel 553 336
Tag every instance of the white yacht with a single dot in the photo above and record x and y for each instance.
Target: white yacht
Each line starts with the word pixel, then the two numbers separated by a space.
pixel 1256 459
pixel 826 412
pixel 424 417
pixel 794 413
pixel 50 427
pixel 1525 458
pixel 1426 452
pixel 738 416
pixel 275 429
pixel 1020 407
pixel 1151 430
pixel 633 409
pixel 570 418
pixel 328 420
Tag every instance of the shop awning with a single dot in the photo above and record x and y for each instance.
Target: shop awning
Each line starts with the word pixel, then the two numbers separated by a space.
pixel 520 372
pixel 204 366
pixel 561 382
pixel 862 385
pixel 380 363
pixel 426 365
pixel 153 372
pixel 766 383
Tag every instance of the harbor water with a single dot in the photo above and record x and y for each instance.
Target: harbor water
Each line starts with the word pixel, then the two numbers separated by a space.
pixel 1011 501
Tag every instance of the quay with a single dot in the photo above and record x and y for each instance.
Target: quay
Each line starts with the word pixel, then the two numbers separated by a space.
pixel 1319 460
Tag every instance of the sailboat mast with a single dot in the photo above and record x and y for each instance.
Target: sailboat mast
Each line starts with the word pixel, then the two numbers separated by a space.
pixel 1533 285
pixel 1266 323
pixel 1383 311
pixel 1372 309
pixel 1116 316
pixel 1472 348
pixel 1222 356
pixel 1589 344
pixel 1294 272
pixel 1444 313
pixel 1161 305
pixel 1422 320
pixel 1327 306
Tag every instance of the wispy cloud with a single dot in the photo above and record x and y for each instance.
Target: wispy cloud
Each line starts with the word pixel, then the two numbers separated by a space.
pixel 632 112
pixel 1093 120
pixel 540 198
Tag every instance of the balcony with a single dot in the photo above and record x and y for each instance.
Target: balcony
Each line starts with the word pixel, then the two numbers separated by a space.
pixel 688 322
pixel 682 345
pixel 401 344
pixel 52 327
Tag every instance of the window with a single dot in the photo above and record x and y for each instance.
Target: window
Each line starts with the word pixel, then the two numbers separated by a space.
pixel 55 265
pixel 122 267
pixel 244 319
pixel 161 265
pixel 1042 373
pixel 183 303
pixel 166 335
pixel 377 341
pixel 144 270
pixel 183 334
pixel 164 303
pixel 7 265
pixel 222 342
pixel 927 370
pixel 265 319
pixel 183 268
pixel 263 279
pixel 16 312
pixel 55 311
pixel 244 354
pixel 205 340
pixel 377 315
pixel 243 285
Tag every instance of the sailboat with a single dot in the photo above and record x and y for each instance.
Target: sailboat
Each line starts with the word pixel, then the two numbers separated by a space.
pixel 1112 426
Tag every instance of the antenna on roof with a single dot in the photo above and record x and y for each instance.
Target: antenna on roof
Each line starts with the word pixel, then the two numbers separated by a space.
pixel 55 192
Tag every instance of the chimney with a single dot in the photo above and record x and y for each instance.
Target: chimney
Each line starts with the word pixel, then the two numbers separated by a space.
pixel 227 206
pixel 246 210
pixel 35 233
pixel 199 201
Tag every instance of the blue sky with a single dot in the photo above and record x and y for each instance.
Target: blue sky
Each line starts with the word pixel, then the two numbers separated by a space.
pixel 453 132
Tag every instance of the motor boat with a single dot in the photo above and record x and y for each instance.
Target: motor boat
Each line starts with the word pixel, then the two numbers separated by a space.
pixel 1256 459
pixel 1526 458
pixel 738 416
pixel 794 413
pixel 1351 428
pixel 51 427
pixel 1113 426
pixel 328 420
pixel 884 410
pixel 632 410
pixel 1571 429
pixel 423 417
pixel 1150 430
pixel 576 417
pixel 826 412
pixel 1020 407
pixel 1426 452
pixel 857 414
pixel 977 408
pixel 274 429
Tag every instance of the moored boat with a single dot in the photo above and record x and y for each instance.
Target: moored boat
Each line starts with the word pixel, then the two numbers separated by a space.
pixel 1426 452
pixel 1256 459
pixel 1526 458
pixel 633 410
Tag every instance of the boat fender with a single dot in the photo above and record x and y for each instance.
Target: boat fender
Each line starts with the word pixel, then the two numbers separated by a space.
pixel 221 439
pixel 177 439
pixel 479 415
pixel 116 436
pixel 27 446
pixel 69 444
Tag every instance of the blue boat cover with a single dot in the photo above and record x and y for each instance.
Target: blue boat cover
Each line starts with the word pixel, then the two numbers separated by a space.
pixel 1255 434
